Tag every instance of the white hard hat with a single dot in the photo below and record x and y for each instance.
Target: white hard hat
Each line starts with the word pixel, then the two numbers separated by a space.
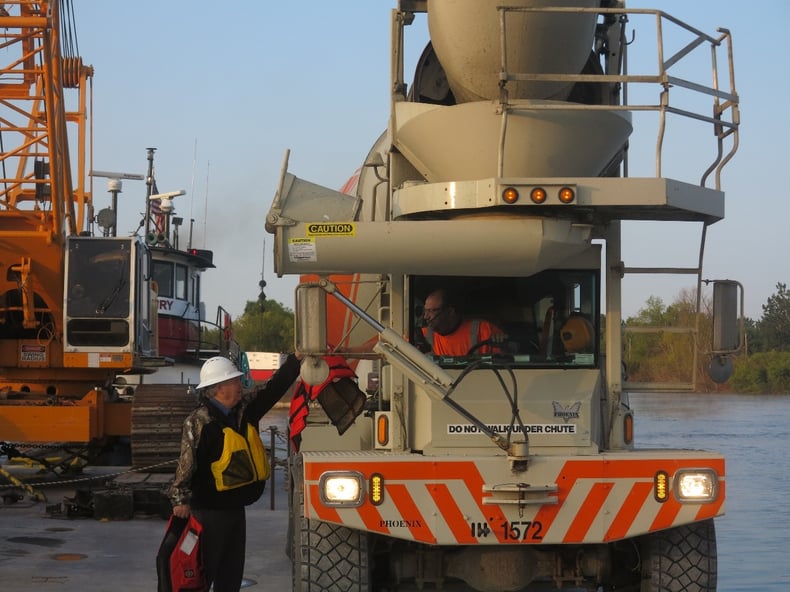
pixel 217 369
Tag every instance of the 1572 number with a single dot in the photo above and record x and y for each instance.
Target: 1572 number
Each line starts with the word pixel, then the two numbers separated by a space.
pixel 522 530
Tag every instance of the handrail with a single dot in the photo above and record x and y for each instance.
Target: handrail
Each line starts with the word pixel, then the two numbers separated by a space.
pixel 725 118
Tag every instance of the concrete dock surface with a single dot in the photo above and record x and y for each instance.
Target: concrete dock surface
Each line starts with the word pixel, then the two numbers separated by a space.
pixel 40 551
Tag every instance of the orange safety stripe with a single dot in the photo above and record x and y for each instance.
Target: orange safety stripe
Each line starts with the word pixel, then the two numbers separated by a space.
pixel 406 507
pixel 627 514
pixel 433 472
pixel 451 513
pixel 436 474
pixel 587 513
pixel 372 518
pixel 315 509
pixel 667 513
pixel 625 469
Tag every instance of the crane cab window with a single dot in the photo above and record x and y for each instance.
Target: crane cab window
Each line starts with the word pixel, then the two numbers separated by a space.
pixel 549 319
pixel 99 282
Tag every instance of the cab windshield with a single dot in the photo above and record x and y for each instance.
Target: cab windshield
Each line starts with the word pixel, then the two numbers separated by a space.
pixel 550 319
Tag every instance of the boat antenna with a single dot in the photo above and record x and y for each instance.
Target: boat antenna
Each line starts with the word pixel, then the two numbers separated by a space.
pixel 149 191
pixel 205 206
pixel 192 183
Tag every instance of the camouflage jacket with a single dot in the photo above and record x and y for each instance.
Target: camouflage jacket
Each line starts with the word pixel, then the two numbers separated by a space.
pixel 202 442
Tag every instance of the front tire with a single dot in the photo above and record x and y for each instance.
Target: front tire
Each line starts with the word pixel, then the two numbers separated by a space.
pixel 681 559
pixel 325 556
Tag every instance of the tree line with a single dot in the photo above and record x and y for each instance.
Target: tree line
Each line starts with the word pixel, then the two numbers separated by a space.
pixel 765 365
pixel 762 366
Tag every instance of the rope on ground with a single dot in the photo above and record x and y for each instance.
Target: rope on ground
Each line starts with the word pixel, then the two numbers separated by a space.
pixel 87 478
pixel 36 495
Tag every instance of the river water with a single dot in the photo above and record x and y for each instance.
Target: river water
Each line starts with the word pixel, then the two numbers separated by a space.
pixel 753 432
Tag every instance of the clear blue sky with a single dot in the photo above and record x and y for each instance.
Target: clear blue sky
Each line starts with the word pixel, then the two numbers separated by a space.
pixel 222 89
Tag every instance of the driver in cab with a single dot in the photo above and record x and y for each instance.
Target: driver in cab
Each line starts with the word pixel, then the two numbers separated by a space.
pixel 448 333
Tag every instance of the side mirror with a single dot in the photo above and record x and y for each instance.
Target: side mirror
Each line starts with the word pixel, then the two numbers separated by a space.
pixel 727 316
pixel 727 328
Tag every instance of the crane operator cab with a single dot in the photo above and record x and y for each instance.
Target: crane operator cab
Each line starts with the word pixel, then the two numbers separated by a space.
pixel 108 306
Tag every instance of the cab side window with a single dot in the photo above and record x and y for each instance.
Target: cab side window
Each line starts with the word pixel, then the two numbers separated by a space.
pixel 163 276
pixel 181 282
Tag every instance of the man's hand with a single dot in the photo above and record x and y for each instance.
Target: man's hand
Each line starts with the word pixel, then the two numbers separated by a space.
pixel 498 339
pixel 182 511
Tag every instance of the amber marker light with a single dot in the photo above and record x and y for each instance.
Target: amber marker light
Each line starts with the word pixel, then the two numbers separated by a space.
pixel 628 428
pixel 661 486
pixel 538 195
pixel 376 489
pixel 567 195
pixel 383 429
pixel 510 195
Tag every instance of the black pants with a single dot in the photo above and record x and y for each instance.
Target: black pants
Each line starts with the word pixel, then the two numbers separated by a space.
pixel 224 543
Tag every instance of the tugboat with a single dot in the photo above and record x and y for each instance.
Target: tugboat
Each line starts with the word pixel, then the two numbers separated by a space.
pixel 182 335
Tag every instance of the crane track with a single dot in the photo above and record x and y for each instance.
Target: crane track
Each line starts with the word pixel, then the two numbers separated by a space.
pixel 158 415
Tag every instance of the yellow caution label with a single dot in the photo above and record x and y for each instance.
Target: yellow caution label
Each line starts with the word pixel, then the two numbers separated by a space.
pixel 331 229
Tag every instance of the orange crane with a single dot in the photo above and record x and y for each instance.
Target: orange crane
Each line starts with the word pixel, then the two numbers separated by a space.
pixel 77 310
pixel 42 202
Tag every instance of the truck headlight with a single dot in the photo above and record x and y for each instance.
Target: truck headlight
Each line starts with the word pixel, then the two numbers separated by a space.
pixel 696 485
pixel 343 489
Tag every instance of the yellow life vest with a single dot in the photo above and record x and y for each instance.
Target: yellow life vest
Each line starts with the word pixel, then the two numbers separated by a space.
pixel 243 460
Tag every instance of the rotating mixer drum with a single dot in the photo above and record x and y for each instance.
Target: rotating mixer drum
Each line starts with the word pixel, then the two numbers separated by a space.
pixel 469 139
pixel 467 39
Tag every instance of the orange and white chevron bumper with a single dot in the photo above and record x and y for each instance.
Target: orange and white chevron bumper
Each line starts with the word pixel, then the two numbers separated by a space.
pixel 479 500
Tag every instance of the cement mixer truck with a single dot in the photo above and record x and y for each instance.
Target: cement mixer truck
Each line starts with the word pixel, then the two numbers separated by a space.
pixel 504 180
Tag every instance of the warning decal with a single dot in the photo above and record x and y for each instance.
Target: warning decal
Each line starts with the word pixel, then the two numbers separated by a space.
pixel 331 229
pixel 301 249
pixel 535 428
pixel 33 353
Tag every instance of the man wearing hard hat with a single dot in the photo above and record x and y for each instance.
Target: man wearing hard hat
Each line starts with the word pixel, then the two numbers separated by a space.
pixel 223 465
